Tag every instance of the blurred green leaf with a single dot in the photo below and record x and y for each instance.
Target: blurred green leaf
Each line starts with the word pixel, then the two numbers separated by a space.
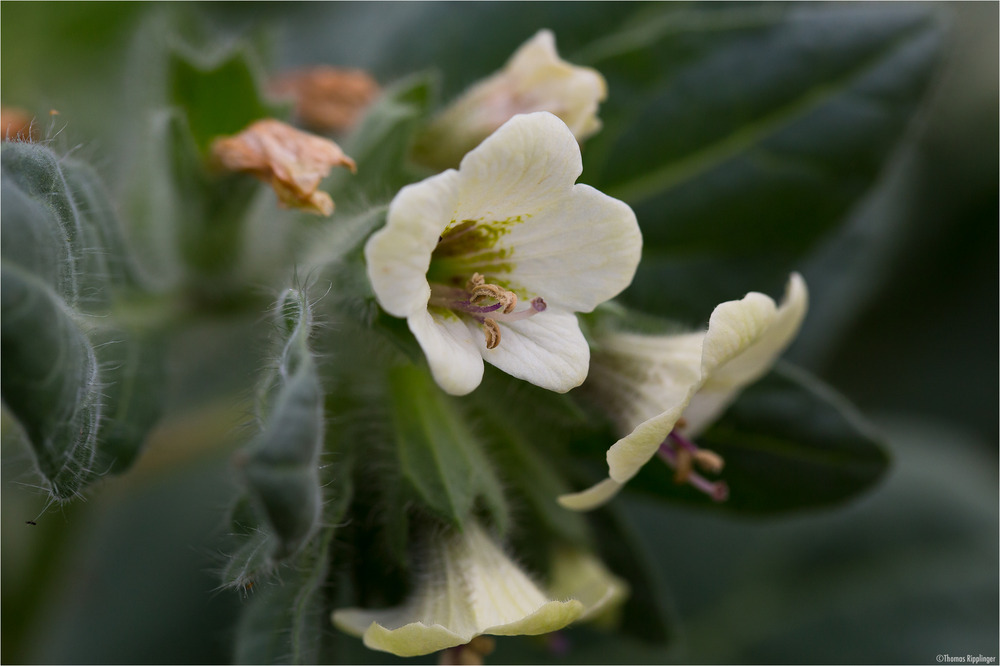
pixel 789 443
pixel 49 381
pixel 440 457
pixel 219 94
pixel 526 439
pixel 744 133
pixel 134 385
pixel 647 614
pixel 381 145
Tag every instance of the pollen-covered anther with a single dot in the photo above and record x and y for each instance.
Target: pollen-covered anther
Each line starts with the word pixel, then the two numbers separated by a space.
pixel 492 330
pixel 486 291
pixel 710 461
pixel 684 462
pixel 477 280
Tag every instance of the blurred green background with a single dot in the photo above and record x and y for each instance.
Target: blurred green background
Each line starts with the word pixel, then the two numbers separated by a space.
pixel 903 321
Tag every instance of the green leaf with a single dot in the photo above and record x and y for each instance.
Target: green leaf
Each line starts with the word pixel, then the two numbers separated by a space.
pixel 134 378
pixel 525 439
pixel 789 443
pixel 60 226
pixel 381 145
pixel 439 455
pixel 160 194
pixel 49 381
pixel 108 256
pixel 219 94
pixel 34 170
pixel 281 465
pixel 285 620
pixel 647 614
pixel 747 132
pixel 31 235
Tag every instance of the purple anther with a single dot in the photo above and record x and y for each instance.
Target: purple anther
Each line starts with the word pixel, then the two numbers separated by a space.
pixel 538 303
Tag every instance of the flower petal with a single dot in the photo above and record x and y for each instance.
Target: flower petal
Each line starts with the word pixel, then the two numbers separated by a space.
pixel 579 574
pixel 526 165
pixel 552 616
pixel 452 354
pixel 548 350
pixel 470 587
pixel 636 377
pixel 744 339
pixel 570 92
pixel 627 456
pixel 592 497
pixel 579 251
pixel 412 640
pixel 755 359
pixel 399 254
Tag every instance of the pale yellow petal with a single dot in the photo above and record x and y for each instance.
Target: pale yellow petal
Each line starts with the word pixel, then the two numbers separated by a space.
pixel 591 498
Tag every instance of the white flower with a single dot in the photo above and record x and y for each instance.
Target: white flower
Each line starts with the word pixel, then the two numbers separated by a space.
pixel 491 261
pixel 663 390
pixel 534 79
pixel 469 587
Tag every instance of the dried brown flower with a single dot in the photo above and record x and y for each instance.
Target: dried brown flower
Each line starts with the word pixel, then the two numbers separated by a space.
pixel 16 124
pixel 292 161
pixel 328 99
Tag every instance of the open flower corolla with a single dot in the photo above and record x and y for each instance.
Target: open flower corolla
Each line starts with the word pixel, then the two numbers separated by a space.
pixel 492 261
pixel 469 587
pixel 663 390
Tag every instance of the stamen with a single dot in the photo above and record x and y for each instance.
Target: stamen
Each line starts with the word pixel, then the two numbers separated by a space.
pixel 483 292
pixel 710 461
pixel 492 330
pixel 512 302
pixel 684 462
pixel 475 281
pixel 681 454
pixel 480 290
pixel 471 302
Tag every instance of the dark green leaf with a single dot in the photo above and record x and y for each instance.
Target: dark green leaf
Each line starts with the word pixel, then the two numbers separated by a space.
pixel 49 381
pixel 440 457
pixel 647 614
pixel 524 439
pixel 746 132
pixel 789 443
